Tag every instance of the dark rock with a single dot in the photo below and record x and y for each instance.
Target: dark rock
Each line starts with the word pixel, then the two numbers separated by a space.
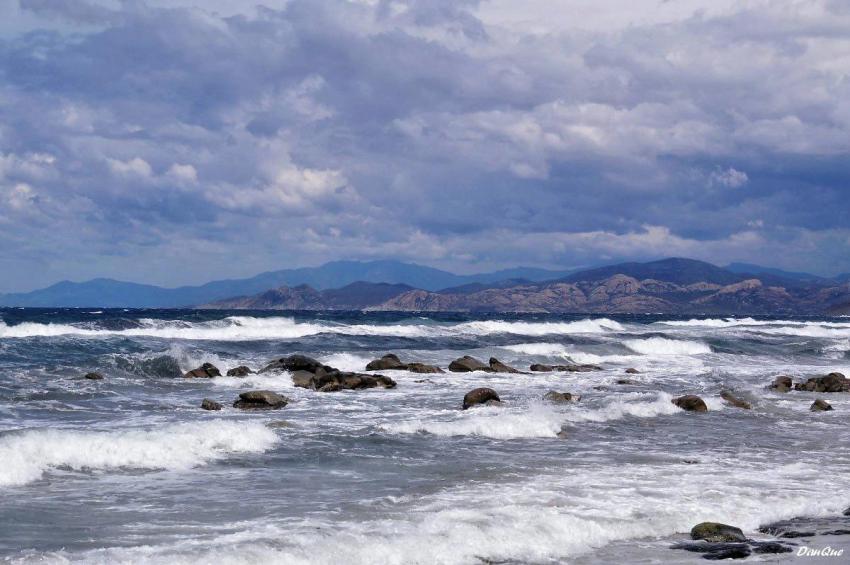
pixel 295 363
pixel 386 363
pixel 733 400
pixel 303 379
pixel 716 551
pixel 208 404
pixel 717 532
pixel 93 376
pixel 205 371
pixel 769 547
pixel 500 367
pixel 541 368
pixel 333 381
pixel 240 371
pixel 467 364
pixel 691 403
pixel 260 400
pixel 480 396
pixel 820 405
pixel 391 362
pixel 626 382
pixel 833 382
pixel 782 384
pixel 847 511
pixel 561 397
pixel 632 371
pixel 423 368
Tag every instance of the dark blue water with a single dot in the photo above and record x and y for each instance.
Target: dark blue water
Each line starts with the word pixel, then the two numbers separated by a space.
pixel 129 469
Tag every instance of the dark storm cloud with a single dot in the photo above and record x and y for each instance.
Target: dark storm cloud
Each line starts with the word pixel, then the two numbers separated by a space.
pixel 149 141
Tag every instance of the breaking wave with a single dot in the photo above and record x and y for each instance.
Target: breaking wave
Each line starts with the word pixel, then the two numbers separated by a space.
pixel 247 328
pixel 664 346
pixel 28 454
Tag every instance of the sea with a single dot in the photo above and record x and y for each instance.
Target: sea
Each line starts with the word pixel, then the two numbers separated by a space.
pixel 130 469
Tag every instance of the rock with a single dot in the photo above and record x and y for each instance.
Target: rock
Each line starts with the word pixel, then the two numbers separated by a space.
pixel 478 396
pixel 240 371
pixel 205 371
pixel 733 400
pixel 334 381
pixel 541 368
pixel 295 363
pixel 93 376
pixel 846 511
pixel 717 532
pixel 691 403
pixel 820 405
pixel 833 382
pixel 386 363
pixel 782 384
pixel 423 368
pixel 716 551
pixel 500 367
pixel 561 397
pixel 302 379
pixel 626 382
pixel 208 404
pixel 391 362
pixel 260 400
pixel 467 364
pixel 632 371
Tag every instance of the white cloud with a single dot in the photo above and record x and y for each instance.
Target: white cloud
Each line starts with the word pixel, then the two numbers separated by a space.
pixel 133 167
pixel 184 173
pixel 731 178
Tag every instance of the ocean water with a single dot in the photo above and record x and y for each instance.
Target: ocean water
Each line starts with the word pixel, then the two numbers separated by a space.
pixel 131 470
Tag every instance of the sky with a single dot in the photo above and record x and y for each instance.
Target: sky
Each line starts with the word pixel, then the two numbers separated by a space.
pixel 177 142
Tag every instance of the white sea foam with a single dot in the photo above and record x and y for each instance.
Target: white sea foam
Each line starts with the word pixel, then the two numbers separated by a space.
pixel 636 405
pixel 27 455
pixel 247 328
pixel 664 346
pixel 543 518
pixel 536 421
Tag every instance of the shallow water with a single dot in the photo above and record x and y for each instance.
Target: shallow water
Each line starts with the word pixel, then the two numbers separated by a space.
pixel 129 469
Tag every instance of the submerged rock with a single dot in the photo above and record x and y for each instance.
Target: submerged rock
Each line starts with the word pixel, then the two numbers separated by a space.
pixel 820 405
pixel 260 400
pixel 240 371
pixel 733 400
pixel 573 368
pixel 208 404
pixel 691 403
pixel 561 397
pixel 833 382
pixel 423 368
pixel 467 364
pixel 632 371
pixel 479 396
pixel 782 383
pixel 627 382
pixel 391 362
pixel 717 532
pixel 93 376
pixel 500 367
pixel 205 371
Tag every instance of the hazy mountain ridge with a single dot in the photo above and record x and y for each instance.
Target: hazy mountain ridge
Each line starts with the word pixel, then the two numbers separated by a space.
pixel 668 286
pixel 108 293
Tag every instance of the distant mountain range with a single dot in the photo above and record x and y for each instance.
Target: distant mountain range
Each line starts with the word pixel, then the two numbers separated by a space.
pixel 675 285
pixel 108 293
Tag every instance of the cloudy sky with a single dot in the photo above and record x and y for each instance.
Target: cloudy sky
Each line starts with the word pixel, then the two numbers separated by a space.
pixel 180 141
